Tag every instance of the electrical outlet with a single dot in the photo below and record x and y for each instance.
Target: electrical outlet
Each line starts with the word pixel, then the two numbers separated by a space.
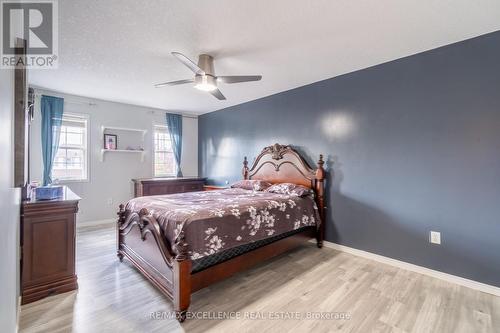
pixel 435 237
pixel 110 201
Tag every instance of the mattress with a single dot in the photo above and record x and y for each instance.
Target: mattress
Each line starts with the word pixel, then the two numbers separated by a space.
pixel 213 222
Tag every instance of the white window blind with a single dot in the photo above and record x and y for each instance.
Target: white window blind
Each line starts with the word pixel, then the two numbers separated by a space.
pixel 71 161
pixel 164 163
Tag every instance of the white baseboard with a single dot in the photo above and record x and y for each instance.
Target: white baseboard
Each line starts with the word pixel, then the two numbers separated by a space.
pixel 486 288
pixel 93 223
pixel 18 319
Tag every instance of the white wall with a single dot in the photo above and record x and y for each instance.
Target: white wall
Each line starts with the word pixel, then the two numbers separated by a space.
pixel 9 206
pixel 110 181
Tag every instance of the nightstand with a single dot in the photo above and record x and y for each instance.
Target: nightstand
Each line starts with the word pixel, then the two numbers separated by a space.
pixel 214 187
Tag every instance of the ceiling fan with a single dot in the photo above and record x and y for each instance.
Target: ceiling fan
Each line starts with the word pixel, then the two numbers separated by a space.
pixel 204 75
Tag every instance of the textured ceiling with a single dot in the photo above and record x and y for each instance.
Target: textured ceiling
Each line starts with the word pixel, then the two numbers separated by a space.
pixel 117 49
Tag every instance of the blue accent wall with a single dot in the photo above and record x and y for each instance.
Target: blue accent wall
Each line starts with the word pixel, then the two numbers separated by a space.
pixel 412 145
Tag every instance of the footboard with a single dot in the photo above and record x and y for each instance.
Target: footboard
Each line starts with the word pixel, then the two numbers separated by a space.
pixel 140 239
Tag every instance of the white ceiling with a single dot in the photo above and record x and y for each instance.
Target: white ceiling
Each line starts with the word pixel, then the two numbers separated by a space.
pixel 117 49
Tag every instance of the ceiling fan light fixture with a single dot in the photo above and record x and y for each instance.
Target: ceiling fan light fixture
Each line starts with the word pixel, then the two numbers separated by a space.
pixel 205 87
pixel 205 83
pixel 204 75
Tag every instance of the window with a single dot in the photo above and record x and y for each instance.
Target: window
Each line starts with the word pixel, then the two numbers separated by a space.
pixel 71 161
pixel 164 162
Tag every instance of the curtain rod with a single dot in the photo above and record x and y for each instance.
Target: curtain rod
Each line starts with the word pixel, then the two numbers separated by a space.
pixel 70 101
pixel 38 92
pixel 183 115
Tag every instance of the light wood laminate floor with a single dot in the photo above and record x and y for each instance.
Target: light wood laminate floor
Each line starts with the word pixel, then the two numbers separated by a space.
pixel 114 297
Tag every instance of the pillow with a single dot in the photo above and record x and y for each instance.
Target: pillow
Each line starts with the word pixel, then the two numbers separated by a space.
pixel 257 185
pixel 289 188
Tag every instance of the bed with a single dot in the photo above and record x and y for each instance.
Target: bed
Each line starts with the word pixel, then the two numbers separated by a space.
pixel 185 242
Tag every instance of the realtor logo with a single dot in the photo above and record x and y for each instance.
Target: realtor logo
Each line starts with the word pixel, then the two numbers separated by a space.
pixel 34 24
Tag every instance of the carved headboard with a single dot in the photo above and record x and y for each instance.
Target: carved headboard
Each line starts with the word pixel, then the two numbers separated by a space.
pixel 283 164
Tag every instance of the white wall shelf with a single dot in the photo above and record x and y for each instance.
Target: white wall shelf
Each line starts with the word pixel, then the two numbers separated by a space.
pixel 142 131
pixel 104 151
pixel 105 129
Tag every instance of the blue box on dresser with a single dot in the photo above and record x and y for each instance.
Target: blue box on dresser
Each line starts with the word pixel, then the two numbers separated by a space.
pixel 49 192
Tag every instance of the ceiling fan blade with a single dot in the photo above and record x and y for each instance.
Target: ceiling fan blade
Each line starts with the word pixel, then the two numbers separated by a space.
pixel 173 83
pixel 217 94
pixel 238 78
pixel 189 63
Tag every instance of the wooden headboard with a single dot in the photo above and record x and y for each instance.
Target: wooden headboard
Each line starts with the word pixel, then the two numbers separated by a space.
pixel 283 164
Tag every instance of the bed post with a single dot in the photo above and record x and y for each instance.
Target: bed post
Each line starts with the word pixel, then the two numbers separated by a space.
pixel 121 220
pixel 245 168
pixel 182 279
pixel 182 288
pixel 320 189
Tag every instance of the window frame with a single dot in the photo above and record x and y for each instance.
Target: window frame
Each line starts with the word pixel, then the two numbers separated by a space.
pixel 153 157
pixel 85 117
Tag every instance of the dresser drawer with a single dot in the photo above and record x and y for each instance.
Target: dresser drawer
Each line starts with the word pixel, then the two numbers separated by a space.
pixel 193 187
pixel 159 186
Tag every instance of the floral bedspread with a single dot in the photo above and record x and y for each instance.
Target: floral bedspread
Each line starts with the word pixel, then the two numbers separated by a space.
pixel 214 221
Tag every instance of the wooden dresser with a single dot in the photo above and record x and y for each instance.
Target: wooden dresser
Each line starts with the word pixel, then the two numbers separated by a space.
pixel 157 186
pixel 48 247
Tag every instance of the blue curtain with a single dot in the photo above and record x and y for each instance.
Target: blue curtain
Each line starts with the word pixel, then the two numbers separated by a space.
pixel 52 111
pixel 174 124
